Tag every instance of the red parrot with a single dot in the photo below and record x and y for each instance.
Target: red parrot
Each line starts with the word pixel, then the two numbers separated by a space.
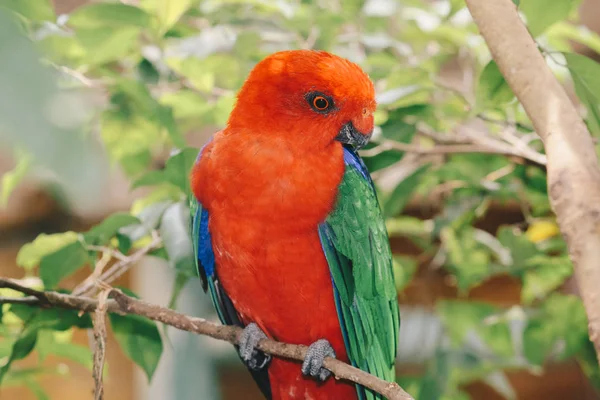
pixel 288 234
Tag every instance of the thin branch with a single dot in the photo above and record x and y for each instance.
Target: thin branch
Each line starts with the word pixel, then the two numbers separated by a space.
pixel 16 286
pixel 118 269
pixel 99 321
pixel 573 172
pixel 500 149
pixel 28 301
pixel 105 249
pixel 123 304
pixel 504 123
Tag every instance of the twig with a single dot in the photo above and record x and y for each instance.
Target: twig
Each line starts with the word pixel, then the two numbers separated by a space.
pixel 105 249
pixel 573 172
pixel 99 321
pixel 123 304
pixel 504 123
pixel 28 301
pixel 117 269
pixel 15 285
pixel 500 149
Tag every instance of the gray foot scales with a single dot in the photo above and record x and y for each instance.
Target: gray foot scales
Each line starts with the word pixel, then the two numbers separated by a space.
pixel 313 363
pixel 254 359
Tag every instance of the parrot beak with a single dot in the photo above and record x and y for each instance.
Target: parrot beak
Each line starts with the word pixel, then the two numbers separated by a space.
pixel 350 135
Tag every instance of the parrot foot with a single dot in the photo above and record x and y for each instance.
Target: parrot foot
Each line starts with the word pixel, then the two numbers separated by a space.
pixel 254 359
pixel 313 362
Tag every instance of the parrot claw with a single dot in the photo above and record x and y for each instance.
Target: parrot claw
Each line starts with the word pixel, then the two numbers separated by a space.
pixel 254 359
pixel 313 362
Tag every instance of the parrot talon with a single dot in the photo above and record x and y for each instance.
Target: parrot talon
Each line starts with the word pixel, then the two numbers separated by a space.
pixel 254 359
pixel 313 362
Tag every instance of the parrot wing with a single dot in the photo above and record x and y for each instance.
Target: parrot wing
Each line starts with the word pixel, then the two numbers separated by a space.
pixel 355 242
pixel 205 263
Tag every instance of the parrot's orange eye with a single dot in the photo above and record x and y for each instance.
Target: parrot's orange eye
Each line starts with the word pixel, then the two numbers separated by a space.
pixel 320 103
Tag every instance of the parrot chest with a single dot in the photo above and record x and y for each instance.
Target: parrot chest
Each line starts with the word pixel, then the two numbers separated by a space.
pixel 269 183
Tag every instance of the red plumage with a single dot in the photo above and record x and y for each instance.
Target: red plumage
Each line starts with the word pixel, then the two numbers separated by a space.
pixel 268 179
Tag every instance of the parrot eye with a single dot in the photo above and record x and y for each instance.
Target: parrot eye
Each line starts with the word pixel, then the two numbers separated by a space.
pixel 319 102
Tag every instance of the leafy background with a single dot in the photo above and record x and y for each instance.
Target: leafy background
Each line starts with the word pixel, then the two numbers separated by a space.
pixel 103 108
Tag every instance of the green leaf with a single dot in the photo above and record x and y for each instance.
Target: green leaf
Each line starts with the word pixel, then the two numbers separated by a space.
pixel 460 211
pixel 20 349
pixel 396 129
pixel 586 77
pixel 220 70
pixel 411 384
pixel 140 340
pixel 174 231
pixel 105 44
pixel 108 228
pixel 382 160
pixel 165 116
pixel 560 328
pixel 151 178
pixel 521 249
pixel 187 105
pixel 30 254
pixel 62 263
pixel 124 243
pixel 179 166
pixel 49 343
pixel 109 14
pixel 492 89
pixel 12 178
pixel 588 362
pixel 435 381
pixel 135 97
pixel 56 319
pixel 36 320
pixel 547 274
pixel 541 14
pixel 403 192
pixel 404 270
pixel 560 35
pixel 467 258
pixel 461 318
pixel 177 171
pixel 35 10
pixel 168 12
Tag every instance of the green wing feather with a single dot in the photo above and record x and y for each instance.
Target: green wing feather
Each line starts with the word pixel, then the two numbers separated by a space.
pixel 356 245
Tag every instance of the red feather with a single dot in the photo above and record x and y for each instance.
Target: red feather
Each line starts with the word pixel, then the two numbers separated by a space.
pixel 268 179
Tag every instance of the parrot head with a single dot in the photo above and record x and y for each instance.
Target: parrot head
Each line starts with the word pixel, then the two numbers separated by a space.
pixel 309 98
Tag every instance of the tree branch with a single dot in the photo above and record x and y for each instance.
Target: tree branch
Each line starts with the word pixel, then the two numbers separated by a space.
pixel 466 139
pixel 384 145
pixel 116 270
pixel 99 321
pixel 573 173
pixel 123 304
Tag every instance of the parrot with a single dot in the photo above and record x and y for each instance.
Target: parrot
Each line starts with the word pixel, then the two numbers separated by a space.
pixel 288 235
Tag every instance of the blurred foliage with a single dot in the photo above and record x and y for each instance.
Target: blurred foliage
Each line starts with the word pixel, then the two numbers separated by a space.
pixel 159 70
